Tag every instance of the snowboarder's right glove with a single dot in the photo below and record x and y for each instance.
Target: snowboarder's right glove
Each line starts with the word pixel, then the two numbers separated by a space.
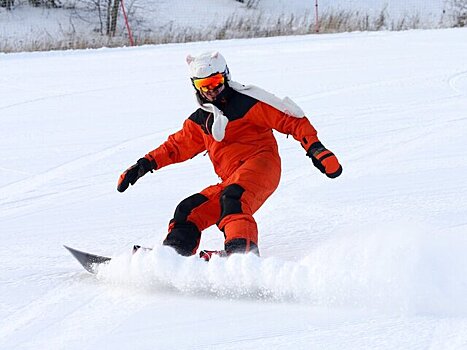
pixel 133 173
pixel 324 160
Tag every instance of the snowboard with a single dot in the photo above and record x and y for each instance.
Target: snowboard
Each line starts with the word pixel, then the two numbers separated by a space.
pixel 90 262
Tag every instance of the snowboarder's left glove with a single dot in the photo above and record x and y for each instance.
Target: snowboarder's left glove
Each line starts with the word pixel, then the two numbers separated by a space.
pixel 133 173
pixel 324 160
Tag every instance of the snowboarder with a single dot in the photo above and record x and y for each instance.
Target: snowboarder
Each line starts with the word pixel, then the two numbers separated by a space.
pixel 234 125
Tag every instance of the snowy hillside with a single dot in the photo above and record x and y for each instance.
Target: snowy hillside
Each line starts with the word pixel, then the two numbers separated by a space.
pixel 80 24
pixel 372 260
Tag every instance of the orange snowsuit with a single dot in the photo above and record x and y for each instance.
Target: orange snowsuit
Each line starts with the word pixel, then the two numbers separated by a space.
pixel 247 161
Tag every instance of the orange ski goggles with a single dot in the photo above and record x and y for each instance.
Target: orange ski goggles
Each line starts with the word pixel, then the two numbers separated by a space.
pixel 210 83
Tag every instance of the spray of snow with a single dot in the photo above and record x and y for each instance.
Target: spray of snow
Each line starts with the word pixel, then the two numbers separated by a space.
pixel 410 270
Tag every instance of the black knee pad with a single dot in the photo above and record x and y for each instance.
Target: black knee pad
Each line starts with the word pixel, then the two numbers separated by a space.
pixel 184 238
pixel 187 205
pixel 230 201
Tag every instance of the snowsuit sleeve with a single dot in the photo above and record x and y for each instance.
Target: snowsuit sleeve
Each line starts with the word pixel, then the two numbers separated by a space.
pixel 300 128
pixel 181 146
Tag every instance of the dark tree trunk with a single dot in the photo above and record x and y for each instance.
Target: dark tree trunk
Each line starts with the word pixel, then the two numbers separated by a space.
pixel 114 16
pixel 8 4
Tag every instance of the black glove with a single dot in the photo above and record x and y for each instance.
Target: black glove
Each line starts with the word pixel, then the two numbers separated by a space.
pixel 133 173
pixel 324 160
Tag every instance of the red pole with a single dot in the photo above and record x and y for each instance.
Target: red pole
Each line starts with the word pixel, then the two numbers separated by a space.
pixel 316 17
pixel 132 43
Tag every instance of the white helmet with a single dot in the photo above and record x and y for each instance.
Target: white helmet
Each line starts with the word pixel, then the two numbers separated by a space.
pixel 207 64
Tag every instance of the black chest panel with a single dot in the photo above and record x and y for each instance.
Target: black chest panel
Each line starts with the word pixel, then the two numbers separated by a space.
pixel 203 119
pixel 235 107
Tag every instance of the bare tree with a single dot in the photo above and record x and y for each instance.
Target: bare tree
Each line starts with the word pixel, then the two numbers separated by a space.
pixel 107 14
pixel 112 24
pixel 45 3
pixel 459 12
pixel 8 4
pixel 250 3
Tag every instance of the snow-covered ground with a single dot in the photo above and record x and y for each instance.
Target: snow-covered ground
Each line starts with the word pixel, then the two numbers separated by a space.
pixel 372 260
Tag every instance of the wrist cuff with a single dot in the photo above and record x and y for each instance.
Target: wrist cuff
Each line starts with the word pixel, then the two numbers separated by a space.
pixel 315 149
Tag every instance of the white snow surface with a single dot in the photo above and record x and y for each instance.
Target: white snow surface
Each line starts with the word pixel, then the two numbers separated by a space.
pixel 375 259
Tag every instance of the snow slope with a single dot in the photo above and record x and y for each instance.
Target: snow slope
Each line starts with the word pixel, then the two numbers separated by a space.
pixel 372 260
